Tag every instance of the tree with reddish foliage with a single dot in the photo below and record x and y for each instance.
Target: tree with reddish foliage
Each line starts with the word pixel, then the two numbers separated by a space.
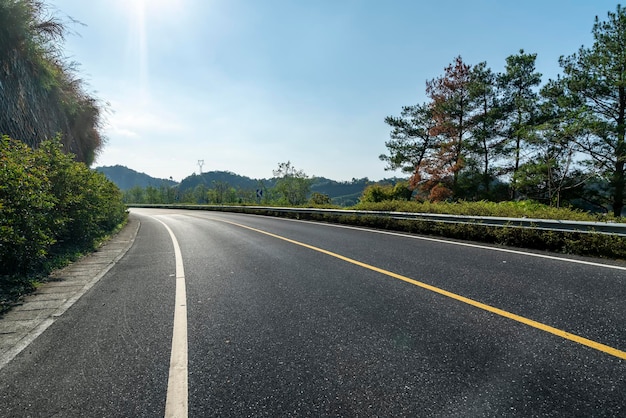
pixel 439 193
pixel 451 108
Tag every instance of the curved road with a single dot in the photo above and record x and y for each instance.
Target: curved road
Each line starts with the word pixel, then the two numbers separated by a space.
pixel 217 314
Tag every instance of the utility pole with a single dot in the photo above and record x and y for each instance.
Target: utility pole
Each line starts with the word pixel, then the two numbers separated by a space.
pixel 200 164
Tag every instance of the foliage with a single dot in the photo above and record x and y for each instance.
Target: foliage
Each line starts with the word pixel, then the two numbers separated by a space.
pixel 486 145
pixel 595 84
pixel 211 178
pixel 377 193
pixel 87 205
pixel 30 39
pixel 26 205
pixel 126 179
pixel 385 192
pixel 563 143
pixel 509 209
pixel 236 189
pixel 222 193
pixel 292 185
pixel 411 140
pixel 319 199
pixel 451 107
pixel 25 25
pixel 49 205
pixel 519 109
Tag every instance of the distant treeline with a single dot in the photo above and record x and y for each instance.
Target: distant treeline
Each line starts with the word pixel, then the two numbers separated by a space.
pixel 223 187
pixel 289 187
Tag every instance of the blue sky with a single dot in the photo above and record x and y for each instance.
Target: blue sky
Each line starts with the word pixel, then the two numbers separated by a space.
pixel 247 84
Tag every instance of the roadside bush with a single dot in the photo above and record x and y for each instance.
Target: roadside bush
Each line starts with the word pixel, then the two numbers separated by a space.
pixel 376 193
pixel 521 209
pixel 26 208
pixel 50 205
pixel 319 199
pixel 88 206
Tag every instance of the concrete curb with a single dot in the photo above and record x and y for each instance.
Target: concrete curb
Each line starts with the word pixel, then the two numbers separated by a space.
pixel 37 311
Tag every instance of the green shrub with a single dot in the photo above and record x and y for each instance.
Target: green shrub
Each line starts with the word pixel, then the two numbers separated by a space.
pixel 26 208
pixel 376 193
pixel 88 205
pixel 521 209
pixel 50 205
pixel 320 199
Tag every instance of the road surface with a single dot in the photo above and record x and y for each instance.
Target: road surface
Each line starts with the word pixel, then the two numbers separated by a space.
pixel 218 314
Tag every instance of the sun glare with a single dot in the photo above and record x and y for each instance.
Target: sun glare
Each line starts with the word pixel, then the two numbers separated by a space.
pixel 145 18
pixel 155 8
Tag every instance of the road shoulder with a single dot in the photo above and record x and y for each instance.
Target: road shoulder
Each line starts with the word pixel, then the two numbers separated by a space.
pixel 37 311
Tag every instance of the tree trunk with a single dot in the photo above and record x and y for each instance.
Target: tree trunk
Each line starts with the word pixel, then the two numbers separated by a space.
pixel 486 179
pixel 458 149
pixel 619 184
pixel 620 156
pixel 518 144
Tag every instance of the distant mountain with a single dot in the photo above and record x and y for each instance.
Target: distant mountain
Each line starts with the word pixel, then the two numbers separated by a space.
pixel 233 180
pixel 126 178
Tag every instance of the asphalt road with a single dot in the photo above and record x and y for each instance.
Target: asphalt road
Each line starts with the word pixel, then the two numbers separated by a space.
pixel 289 318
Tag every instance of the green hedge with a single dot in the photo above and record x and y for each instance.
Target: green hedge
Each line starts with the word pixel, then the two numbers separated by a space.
pixel 520 209
pixel 50 206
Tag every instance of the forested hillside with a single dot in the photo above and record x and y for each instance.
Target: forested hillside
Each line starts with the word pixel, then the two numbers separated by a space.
pixel 209 179
pixel 41 94
pixel 126 178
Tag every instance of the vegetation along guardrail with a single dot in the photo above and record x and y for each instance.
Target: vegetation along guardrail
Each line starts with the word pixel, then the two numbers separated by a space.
pixel 612 228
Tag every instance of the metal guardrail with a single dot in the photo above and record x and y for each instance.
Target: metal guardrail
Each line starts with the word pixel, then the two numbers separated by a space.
pixel 612 228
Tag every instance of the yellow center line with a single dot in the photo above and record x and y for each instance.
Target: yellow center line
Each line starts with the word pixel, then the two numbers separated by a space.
pixel 555 331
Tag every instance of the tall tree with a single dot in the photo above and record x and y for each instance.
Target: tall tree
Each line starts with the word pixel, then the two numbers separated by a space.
pixel 451 109
pixel 294 185
pixel 520 100
pixel 219 192
pixel 410 138
pixel 553 171
pixel 200 194
pixel 597 76
pixel 486 141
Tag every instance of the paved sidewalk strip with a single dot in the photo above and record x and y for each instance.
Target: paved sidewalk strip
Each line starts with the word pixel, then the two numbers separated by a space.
pixel 37 311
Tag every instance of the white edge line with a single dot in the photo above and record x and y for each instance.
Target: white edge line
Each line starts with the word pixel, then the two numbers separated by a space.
pixel 462 244
pixel 176 404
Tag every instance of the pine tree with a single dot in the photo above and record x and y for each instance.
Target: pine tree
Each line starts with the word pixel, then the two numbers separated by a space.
pixel 451 109
pixel 520 103
pixel 596 76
